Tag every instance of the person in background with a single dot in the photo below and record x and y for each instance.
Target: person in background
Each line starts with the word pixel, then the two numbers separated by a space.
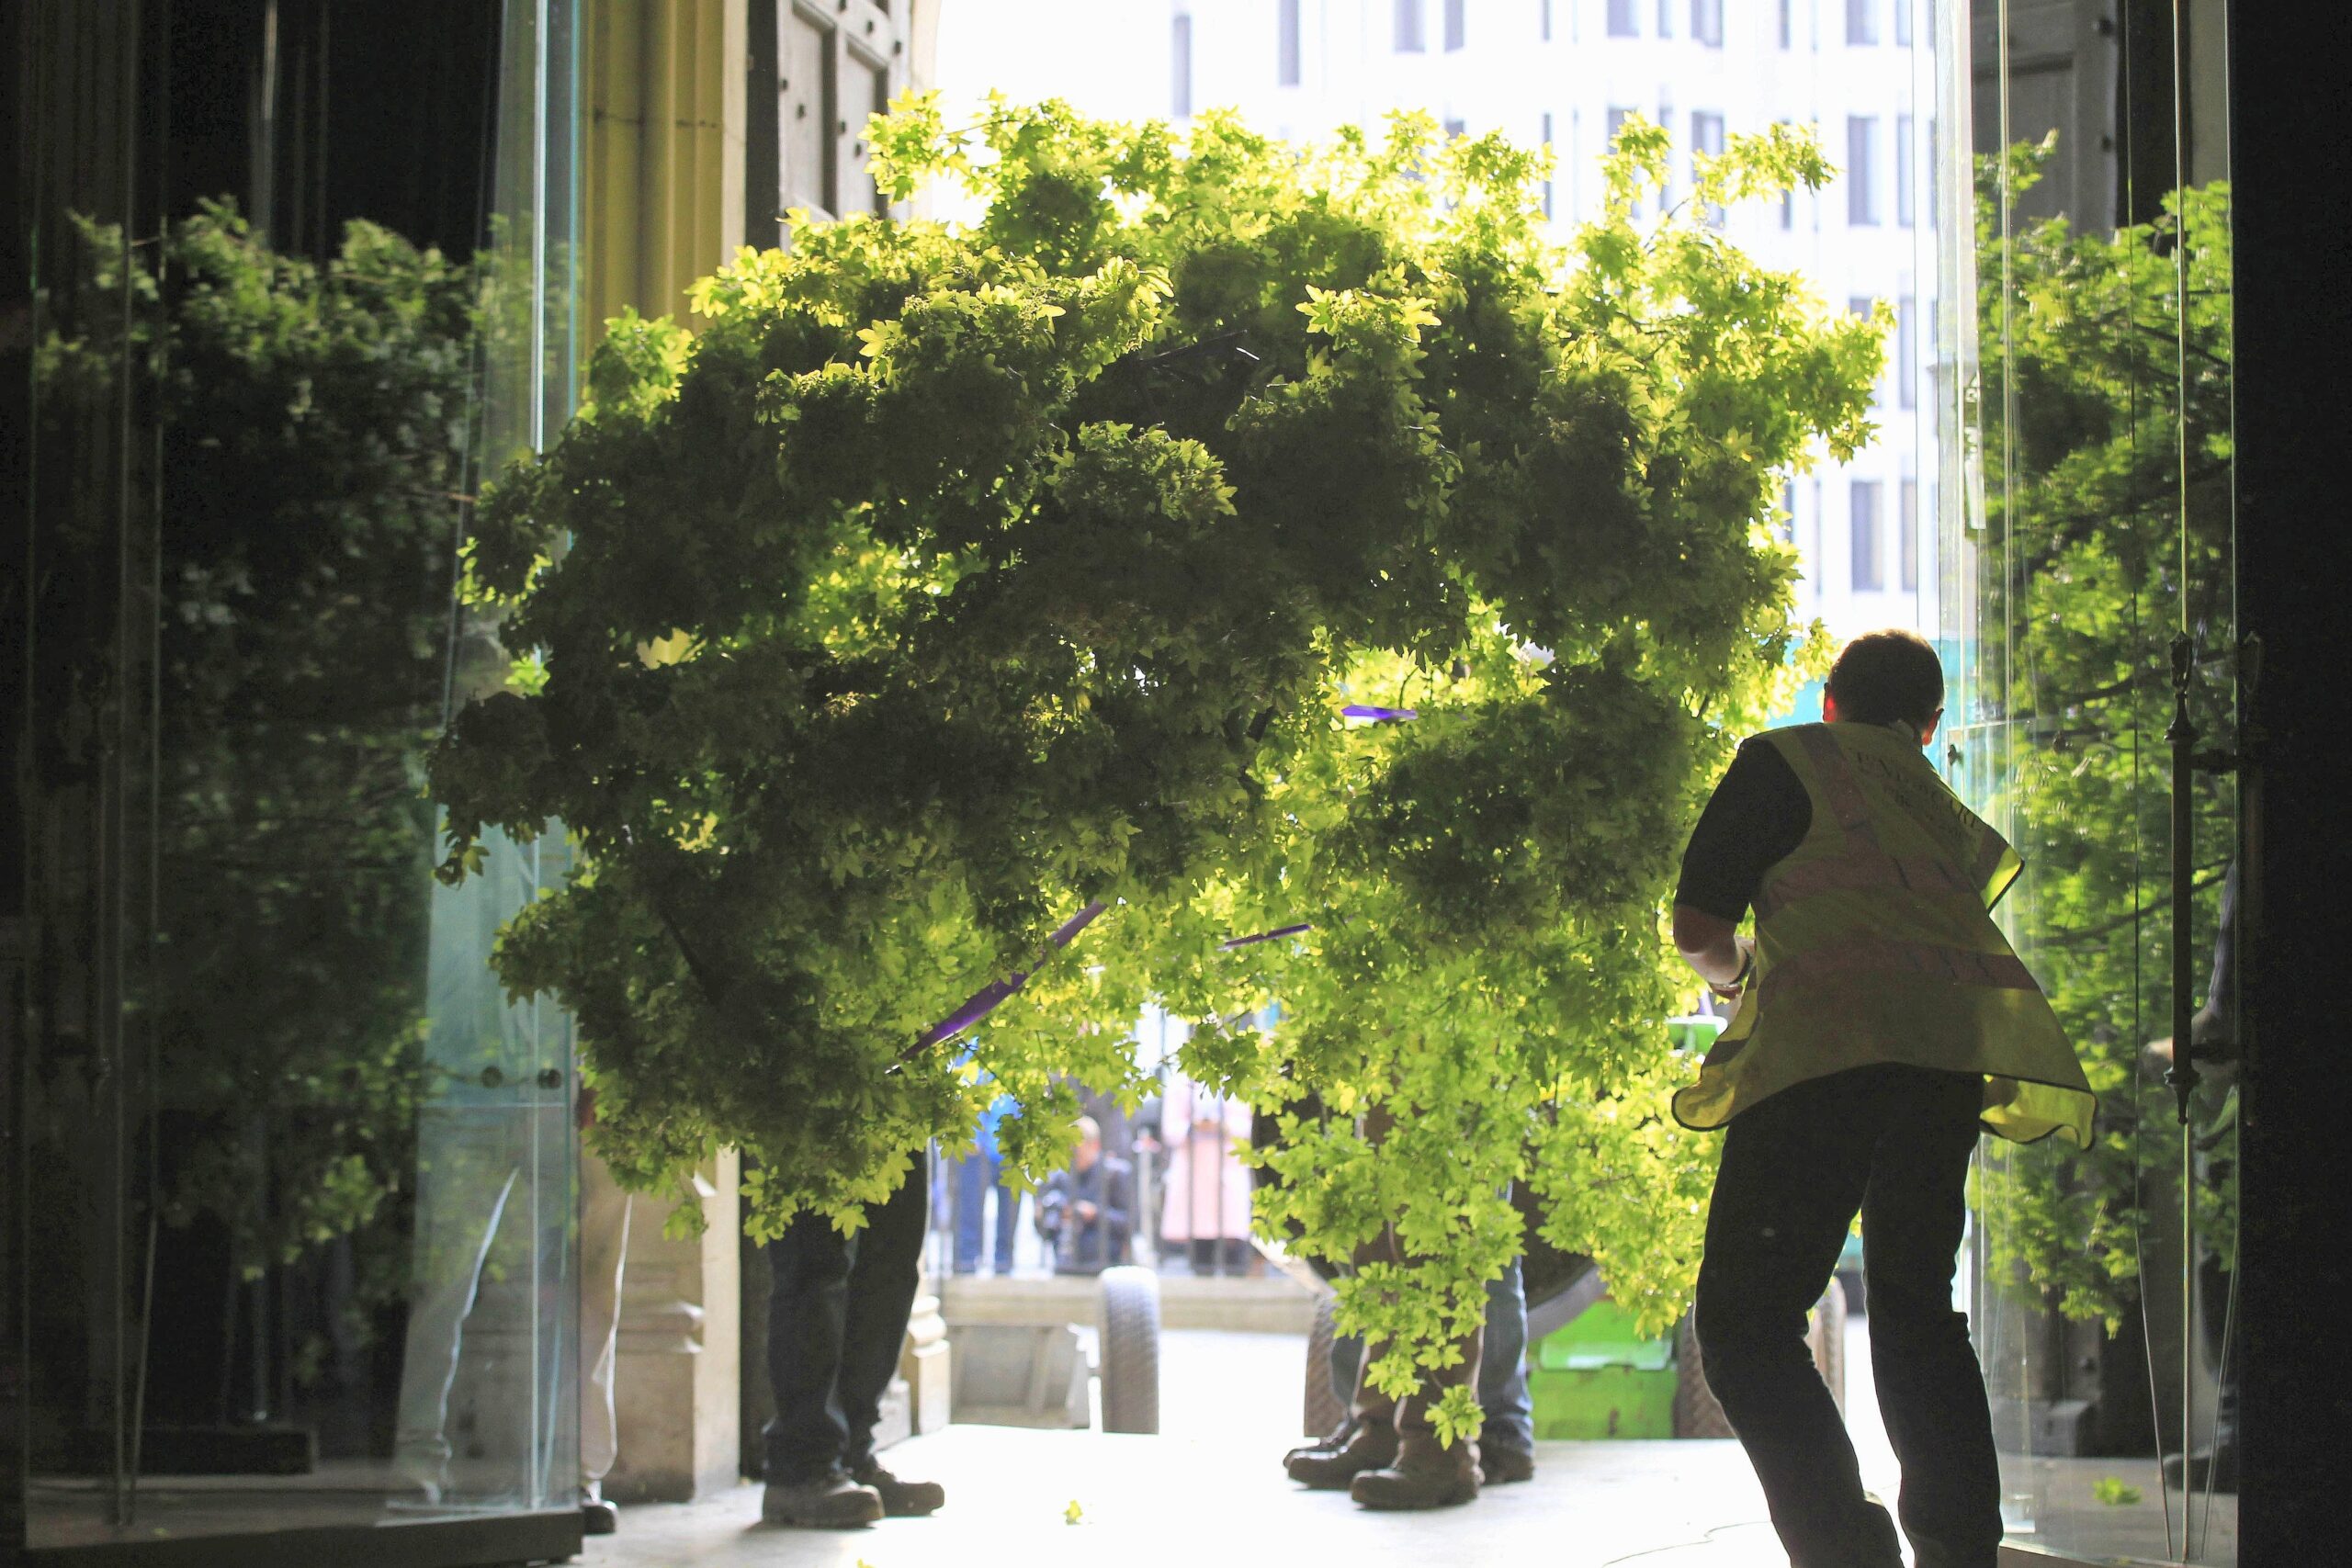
pixel 1882 1021
pixel 604 1208
pixel 1205 1209
pixel 1088 1210
pixel 977 1175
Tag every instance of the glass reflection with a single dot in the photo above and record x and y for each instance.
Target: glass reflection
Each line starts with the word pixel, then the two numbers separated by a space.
pixel 299 1183
pixel 2094 404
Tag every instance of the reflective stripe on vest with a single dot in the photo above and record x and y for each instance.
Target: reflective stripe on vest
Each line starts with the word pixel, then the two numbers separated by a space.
pixel 1874 944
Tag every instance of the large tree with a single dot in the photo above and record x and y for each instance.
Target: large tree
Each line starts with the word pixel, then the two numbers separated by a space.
pixel 952 585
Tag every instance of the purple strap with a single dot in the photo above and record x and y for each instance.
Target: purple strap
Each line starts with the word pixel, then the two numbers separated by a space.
pixel 982 1002
pixel 1232 943
pixel 1378 716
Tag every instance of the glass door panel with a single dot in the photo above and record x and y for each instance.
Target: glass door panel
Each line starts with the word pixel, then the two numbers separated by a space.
pixel 2090 593
pixel 297 1184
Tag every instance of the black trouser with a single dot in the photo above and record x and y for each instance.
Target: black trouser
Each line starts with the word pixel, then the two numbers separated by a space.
pixel 837 1315
pixel 1893 1141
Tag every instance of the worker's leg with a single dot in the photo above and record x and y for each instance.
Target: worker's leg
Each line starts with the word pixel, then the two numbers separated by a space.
pixel 882 1283
pixel 1794 1167
pixel 1930 1389
pixel 810 1268
pixel 1507 1439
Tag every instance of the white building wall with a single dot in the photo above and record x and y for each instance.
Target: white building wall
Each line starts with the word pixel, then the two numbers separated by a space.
pixel 1118 58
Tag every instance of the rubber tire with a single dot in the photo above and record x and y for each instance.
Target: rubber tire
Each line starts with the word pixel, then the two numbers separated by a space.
pixel 1323 1411
pixel 1696 1414
pixel 1128 1347
pixel 1825 1334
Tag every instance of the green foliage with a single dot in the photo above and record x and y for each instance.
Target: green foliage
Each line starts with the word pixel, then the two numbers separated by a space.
pixel 2088 509
pixel 312 429
pixel 949 579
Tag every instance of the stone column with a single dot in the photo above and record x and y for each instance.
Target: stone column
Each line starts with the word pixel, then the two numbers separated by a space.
pixel 681 1342
pixel 922 1363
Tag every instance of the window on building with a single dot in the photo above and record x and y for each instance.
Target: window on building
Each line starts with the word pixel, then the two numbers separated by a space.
pixel 1859 305
pixel 1454 128
pixel 1412 34
pixel 1547 173
pixel 1905 200
pixel 812 81
pixel 1456 24
pixel 1617 118
pixel 1903 23
pixel 1906 353
pixel 1666 18
pixel 1707 139
pixel 1544 19
pixel 1861 21
pixel 1788 23
pixel 1869 571
pixel 1908 555
pixel 1181 85
pixel 1287 41
pixel 1665 186
pixel 1707 22
pixel 1621 19
pixel 1862 170
pixel 1784 527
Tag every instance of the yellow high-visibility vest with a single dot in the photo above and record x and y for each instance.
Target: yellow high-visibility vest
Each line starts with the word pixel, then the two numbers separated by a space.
pixel 1875 943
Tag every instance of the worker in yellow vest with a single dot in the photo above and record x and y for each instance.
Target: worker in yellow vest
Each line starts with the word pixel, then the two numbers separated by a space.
pixel 1880 1020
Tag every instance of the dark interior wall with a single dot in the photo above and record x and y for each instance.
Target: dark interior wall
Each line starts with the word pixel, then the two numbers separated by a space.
pixel 2294 333
pixel 313 114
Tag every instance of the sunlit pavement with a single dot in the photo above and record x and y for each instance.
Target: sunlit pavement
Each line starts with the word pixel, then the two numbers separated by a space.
pixel 1210 1490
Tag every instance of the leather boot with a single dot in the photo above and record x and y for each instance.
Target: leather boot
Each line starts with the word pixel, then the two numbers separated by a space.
pixel 1424 1476
pixel 1369 1446
pixel 827 1500
pixel 1332 1442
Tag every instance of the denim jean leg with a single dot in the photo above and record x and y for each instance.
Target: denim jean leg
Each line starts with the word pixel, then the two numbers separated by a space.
pixel 1502 1366
pixel 972 1183
pixel 1008 1217
pixel 1347 1360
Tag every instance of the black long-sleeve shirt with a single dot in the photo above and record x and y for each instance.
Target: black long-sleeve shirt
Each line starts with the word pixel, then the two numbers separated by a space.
pixel 1757 817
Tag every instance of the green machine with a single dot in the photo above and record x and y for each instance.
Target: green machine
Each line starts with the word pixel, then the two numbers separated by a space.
pixel 1597 1378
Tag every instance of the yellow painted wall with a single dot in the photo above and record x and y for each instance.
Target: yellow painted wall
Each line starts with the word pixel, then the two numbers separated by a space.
pixel 664 180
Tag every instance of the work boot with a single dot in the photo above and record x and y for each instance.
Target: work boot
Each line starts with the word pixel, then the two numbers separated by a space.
pixel 1328 1469
pixel 1498 1463
pixel 1330 1443
pixel 900 1499
pixel 830 1499
pixel 1423 1476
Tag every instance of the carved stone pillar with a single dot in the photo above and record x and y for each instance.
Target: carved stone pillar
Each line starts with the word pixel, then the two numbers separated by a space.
pixel 922 1363
pixel 681 1344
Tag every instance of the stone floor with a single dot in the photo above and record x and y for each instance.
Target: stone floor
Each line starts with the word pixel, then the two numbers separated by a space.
pixel 1208 1488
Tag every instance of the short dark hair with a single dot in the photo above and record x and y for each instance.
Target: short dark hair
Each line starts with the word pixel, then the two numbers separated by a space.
pixel 1884 676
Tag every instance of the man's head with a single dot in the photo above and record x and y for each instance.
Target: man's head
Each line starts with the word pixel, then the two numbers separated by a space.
pixel 1090 1144
pixel 1888 677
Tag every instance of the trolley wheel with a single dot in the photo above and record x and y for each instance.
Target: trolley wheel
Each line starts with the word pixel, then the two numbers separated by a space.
pixel 1323 1411
pixel 1696 1414
pixel 1824 1335
pixel 1130 1349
